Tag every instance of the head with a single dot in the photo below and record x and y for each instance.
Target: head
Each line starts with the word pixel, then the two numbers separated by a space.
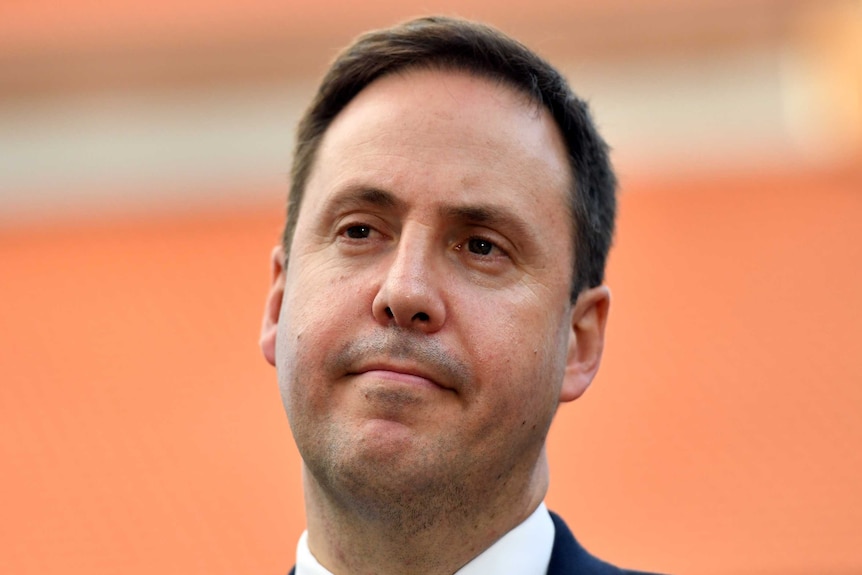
pixel 424 315
pixel 440 42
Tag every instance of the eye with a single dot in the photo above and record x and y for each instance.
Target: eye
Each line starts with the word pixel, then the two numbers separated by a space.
pixel 480 246
pixel 358 232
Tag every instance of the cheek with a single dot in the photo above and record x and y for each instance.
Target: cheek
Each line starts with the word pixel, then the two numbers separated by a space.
pixel 522 353
pixel 516 333
pixel 315 318
pixel 320 297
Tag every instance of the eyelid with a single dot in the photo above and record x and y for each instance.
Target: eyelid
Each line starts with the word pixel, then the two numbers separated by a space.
pixel 498 256
pixel 342 228
pixel 359 218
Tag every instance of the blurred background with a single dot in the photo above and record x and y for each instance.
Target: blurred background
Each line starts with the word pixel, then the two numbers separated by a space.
pixel 144 152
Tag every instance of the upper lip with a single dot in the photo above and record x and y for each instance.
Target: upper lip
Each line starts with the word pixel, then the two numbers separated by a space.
pixel 408 369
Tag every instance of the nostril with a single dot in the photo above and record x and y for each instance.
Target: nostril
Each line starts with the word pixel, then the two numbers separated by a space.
pixel 389 313
pixel 421 316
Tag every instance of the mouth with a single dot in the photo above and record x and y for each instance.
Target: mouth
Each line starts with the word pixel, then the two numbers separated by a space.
pixel 401 374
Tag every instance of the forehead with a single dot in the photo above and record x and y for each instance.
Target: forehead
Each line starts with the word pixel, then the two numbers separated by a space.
pixel 451 135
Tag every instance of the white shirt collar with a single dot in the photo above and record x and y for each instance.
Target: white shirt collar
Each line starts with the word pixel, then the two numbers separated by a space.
pixel 526 549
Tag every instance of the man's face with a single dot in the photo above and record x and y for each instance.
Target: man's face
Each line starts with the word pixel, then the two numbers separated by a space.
pixel 424 328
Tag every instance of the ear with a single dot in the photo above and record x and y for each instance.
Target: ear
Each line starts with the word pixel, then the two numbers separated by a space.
pixel 269 329
pixel 586 341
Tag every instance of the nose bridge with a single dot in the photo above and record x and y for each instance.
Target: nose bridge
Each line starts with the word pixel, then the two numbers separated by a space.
pixel 412 264
pixel 409 292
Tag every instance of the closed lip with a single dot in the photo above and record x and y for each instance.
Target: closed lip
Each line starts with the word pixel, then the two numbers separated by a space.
pixel 410 371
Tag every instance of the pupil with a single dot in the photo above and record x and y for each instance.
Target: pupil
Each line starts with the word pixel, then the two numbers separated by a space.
pixel 479 246
pixel 358 232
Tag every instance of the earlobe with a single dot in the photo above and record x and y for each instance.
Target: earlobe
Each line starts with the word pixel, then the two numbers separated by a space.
pixel 586 341
pixel 269 328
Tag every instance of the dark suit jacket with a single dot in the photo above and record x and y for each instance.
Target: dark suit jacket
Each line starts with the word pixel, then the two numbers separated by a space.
pixel 569 558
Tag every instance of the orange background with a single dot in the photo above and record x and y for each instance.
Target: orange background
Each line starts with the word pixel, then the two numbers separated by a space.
pixel 141 431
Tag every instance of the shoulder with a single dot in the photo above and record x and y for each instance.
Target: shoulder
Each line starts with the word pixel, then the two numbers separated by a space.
pixel 569 557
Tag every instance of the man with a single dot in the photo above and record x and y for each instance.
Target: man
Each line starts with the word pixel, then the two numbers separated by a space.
pixel 437 294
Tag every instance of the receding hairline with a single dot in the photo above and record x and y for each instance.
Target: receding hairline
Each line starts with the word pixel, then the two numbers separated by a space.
pixel 503 86
pixel 457 67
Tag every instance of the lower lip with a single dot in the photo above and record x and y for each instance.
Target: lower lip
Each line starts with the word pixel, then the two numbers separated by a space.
pixel 397 376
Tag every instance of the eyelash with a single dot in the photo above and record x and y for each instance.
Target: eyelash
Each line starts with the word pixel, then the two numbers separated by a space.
pixel 364 231
pixel 368 229
pixel 493 246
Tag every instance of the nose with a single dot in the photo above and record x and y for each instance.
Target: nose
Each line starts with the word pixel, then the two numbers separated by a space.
pixel 410 293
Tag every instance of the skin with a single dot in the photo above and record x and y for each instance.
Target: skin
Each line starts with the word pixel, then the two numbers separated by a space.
pixel 423 331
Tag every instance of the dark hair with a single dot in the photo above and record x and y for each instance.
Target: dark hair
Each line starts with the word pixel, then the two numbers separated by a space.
pixel 450 43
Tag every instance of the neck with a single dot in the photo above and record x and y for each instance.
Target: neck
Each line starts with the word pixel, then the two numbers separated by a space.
pixel 412 535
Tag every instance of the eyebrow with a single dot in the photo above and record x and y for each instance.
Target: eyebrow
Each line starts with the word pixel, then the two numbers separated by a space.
pixel 358 196
pixel 501 219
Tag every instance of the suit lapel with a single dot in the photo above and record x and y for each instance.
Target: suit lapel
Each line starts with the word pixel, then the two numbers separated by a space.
pixel 569 558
